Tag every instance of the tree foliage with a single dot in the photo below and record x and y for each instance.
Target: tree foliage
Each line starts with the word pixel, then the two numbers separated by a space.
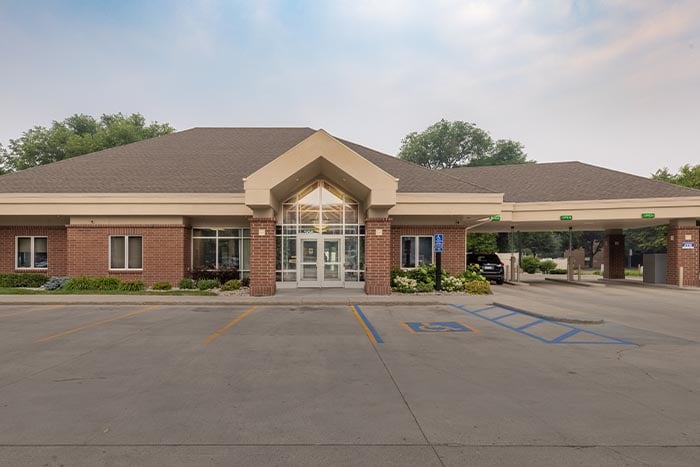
pixel 76 135
pixel 482 242
pixel 446 144
pixel 688 175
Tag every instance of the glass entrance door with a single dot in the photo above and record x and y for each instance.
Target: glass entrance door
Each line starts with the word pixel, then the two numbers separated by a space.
pixel 321 262
pixel 331 263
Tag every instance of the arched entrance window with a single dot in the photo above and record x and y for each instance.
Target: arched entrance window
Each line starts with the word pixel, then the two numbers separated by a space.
pixel 321 241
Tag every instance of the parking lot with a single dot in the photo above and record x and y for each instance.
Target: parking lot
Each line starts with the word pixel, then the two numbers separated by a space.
pixel 461 383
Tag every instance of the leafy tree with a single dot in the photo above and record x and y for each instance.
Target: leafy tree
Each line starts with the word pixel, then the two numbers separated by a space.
pixel 653 239
pixel 539 244
pixel 455 144
pixel 76 135
pixel 503 152
pixel 482 242
pixel 687 175
pixel 591 242
pixel 445 145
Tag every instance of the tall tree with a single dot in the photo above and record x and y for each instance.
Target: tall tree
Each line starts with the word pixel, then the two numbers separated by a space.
pixel 445 144
pixel 76 135
pixel 503 152
pixel 688 175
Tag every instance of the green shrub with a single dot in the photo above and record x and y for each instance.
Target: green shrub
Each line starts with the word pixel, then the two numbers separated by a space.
pixel 207 284
pixel 547 266
pixel 165 285
pixel 132 286
pixel 187 283
pixel 23 280
pixel 472 273
pixel 558 271
pixel 233 284
pixel 396 272
pixel 530 264
pixel 452 284
pixel 80 283
pixel 426 287
pixel 478 288
pixel 107 283
pixel 405 284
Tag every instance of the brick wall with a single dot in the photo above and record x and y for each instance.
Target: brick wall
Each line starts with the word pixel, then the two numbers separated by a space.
pixel 378 256
pixel 454 249
pixel 678 257
pixel 57 252
pixel 614 258
pixel 165 249
pixel 262 257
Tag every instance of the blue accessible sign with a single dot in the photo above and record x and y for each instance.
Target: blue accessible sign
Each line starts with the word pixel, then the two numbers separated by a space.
pixel 440 326
pixel 438 242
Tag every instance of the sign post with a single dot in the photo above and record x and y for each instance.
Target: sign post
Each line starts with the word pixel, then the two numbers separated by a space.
pixel 437 245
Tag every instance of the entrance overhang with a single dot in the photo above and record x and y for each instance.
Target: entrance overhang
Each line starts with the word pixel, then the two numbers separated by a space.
pixel 593 215
pixel 320 155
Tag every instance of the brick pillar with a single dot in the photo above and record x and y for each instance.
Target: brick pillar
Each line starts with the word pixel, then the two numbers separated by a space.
pixel 262 257
pixel 614 252
pixel 378 256
pixel 687 258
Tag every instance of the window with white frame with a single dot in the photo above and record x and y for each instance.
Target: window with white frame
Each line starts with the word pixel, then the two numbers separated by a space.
pixel 32 252
pixel 126 252
pixel 416 251
pixel 221 248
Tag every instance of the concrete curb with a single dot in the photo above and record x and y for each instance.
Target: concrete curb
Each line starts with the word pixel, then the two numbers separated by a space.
pixel 549 317
pixel 227 303
pixel 574 283
pixel 633 283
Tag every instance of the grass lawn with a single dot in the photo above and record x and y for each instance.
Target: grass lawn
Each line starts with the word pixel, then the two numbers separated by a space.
pixel 16 291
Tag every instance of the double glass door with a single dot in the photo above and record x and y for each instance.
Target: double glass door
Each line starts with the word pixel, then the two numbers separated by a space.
pixel 321 261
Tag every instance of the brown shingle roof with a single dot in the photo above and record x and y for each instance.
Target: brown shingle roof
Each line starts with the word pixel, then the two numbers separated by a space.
pixel 202 160
pixel 566 181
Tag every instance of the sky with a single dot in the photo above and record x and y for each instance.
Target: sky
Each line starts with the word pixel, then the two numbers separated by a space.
pixel 614 83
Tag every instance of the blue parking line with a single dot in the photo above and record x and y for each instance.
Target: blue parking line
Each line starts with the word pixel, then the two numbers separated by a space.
pixel 564 338
pixel 529 325
pixel 506 315
pixel 368 324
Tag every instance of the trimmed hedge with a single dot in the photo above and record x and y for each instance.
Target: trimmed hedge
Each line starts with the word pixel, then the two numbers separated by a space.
pixel 132 286
pixel 207 284
pixel 23 280
pixel 162 286
pixel 233 284
pixel 478 288
pixel 187 284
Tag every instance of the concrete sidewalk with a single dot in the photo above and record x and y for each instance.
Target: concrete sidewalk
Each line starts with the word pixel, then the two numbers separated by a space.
pixel 283 297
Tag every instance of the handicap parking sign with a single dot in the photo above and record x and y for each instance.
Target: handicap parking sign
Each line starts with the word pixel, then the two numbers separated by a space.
pixel 438 242
pixel 436 326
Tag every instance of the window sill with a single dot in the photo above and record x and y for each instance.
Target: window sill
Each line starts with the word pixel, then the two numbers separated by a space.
pixel 124 271
pixel 31 269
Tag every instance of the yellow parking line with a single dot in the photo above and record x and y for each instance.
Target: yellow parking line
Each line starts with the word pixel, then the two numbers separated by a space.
pixel 370 336
pixel 32 310
pixel 97 323
pixel 232 323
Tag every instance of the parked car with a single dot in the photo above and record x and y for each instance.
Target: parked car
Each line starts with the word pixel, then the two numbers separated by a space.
pixel 490 264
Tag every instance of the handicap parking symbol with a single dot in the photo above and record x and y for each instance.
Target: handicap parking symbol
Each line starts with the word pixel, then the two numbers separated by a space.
pixel 436 326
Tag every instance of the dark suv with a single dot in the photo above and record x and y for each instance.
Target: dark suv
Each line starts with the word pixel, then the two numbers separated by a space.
pixel 490 264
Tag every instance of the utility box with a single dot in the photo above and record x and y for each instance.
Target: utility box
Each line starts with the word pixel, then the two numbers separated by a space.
pixel 654 268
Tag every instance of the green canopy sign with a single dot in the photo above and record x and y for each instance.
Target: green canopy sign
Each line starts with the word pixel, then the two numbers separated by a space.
pixel 648 215
pixel 567 217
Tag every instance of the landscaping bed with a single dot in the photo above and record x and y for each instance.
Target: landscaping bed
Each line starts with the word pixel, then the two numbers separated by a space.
pixel 422 281
pixel 38 284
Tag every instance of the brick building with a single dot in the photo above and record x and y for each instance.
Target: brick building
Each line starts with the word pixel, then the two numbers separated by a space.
pixel 295 207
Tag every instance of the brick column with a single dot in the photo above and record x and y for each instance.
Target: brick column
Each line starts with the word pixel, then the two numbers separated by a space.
pixel 378 256
pixel 614 252
pixel 687 258
pixel 262 257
